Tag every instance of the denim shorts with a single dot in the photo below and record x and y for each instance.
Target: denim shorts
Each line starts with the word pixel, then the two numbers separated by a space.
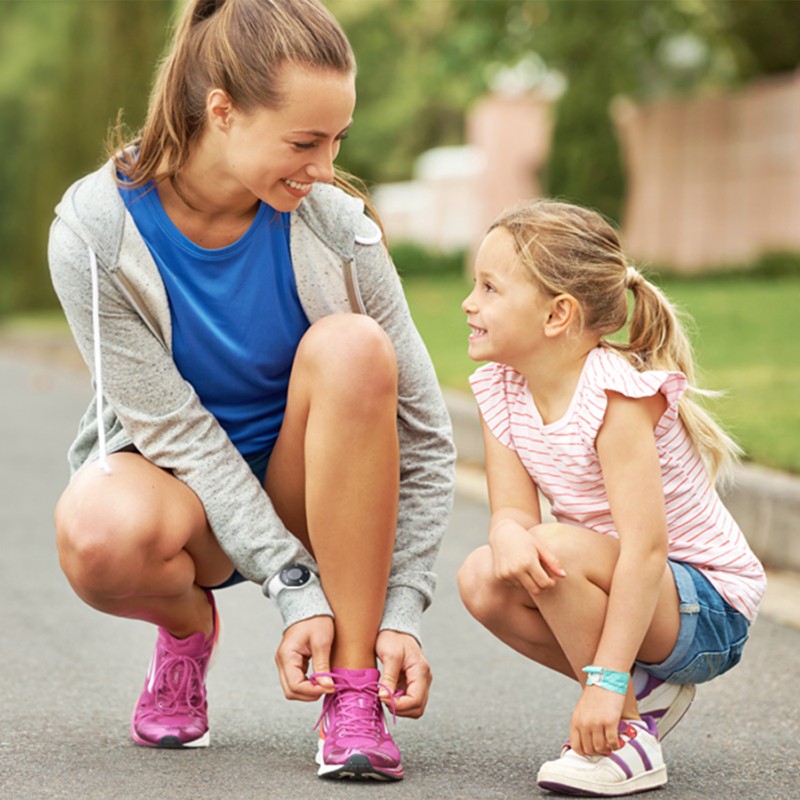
pixel 711 636
pixel 258 463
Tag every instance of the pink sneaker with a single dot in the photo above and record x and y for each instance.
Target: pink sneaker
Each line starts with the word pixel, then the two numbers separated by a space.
pixel 172 710
pixel 354 742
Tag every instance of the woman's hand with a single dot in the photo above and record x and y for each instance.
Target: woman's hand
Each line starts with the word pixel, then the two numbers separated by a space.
pixel 307 641
pixel 594 730
pixel 405 668
pixel 521 560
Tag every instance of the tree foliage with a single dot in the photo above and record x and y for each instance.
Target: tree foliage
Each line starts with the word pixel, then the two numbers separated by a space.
pixel 67 67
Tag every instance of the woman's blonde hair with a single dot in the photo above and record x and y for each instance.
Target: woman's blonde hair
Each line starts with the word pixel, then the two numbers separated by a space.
pixel 238 46
pixel 571 250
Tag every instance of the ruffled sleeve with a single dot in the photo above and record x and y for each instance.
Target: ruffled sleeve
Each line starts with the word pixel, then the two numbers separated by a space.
pixel 609 372
pixel 497 388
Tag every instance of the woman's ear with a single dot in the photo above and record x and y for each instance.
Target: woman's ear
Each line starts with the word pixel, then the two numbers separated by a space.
pixel 563 312
pixel 219 108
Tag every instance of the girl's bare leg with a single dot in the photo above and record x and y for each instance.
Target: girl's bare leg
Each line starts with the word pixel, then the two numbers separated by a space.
pixel 509 613
pixel 561 628
pixel 334 473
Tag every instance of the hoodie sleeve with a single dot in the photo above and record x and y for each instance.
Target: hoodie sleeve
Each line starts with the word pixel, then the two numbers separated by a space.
pixel 164 418
pixel 427 453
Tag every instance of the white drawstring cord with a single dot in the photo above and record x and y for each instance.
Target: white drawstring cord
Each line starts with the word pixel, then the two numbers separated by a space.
pixel 98 369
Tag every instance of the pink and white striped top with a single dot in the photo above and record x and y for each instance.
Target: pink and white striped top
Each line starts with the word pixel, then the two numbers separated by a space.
pixel 561 458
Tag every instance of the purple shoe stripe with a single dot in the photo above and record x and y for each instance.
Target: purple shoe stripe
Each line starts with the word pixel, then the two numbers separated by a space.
pixel 622 765
pixel 649 722
pixel 652 683
pixel 640 750
pixel 560 788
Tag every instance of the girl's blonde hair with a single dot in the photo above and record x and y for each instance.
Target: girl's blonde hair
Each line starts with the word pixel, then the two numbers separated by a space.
pixel 571 250
pixel 238 46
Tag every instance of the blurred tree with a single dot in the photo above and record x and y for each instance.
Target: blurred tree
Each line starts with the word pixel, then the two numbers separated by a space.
pixel 66 68
pixel 421 64
pixel 765 36
pixel 604 49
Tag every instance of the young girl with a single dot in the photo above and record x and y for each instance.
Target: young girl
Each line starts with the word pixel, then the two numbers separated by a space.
pixel 644 570
pixel 247 425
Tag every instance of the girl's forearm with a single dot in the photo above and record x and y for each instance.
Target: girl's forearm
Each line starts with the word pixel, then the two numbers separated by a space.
pixel 635 589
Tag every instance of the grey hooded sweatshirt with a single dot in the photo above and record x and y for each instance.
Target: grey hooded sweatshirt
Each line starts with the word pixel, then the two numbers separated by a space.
pixel 116 305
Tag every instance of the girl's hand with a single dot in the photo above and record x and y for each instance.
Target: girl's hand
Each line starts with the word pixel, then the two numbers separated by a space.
pixel 307 641
pixel 405 668
pixel 521 560
pixel 594 730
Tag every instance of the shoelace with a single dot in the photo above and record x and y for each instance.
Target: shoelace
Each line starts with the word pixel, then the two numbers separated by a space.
pixel 353 719
pixel 179 684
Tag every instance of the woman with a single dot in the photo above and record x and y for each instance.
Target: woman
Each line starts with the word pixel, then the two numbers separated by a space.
pixel 246 425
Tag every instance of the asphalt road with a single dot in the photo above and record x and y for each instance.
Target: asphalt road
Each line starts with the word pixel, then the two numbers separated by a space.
pixel 69 676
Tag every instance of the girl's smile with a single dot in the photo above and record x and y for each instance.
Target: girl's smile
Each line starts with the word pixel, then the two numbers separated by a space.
pixel 504 306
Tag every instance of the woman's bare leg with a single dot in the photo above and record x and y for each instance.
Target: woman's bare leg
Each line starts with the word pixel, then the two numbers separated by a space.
pixel 135 543
pixel 334 473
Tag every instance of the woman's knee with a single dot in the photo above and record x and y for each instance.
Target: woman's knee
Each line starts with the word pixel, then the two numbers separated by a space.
pixel 103 541
pixel 352 354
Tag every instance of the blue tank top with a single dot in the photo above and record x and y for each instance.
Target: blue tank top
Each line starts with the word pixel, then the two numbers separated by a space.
pixel 236 317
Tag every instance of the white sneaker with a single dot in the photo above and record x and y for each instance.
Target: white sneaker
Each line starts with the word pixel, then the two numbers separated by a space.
pixel 665 702
pixel 636 767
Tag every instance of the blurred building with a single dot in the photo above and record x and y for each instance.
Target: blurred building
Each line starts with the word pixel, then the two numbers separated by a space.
pixel 712 181
pixel 457 191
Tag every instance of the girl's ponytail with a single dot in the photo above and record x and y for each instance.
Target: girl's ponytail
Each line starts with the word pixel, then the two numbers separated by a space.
pixel 657 340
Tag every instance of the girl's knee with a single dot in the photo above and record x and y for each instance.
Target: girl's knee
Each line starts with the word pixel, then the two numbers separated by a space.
pixel 567 541
pixel 477 584
pixel 554 535
pixel 579 551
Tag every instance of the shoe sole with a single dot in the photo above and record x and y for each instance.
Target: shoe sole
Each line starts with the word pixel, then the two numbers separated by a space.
pixel 587 788
pixel 173 742
pixel 357 768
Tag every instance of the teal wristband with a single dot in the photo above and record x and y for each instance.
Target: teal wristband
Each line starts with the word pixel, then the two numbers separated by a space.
pixel 608 679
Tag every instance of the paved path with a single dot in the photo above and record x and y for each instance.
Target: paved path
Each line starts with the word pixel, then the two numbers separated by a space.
pixel 69 676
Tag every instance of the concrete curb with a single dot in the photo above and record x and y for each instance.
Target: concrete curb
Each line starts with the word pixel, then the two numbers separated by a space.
pixel 764 502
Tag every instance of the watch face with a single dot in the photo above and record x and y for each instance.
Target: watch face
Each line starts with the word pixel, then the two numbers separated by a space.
pixel 295 575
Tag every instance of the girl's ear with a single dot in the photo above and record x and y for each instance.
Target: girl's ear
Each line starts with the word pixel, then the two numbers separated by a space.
pixel 563 312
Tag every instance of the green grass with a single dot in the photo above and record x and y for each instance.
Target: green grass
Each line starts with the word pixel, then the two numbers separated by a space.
pixel 746 334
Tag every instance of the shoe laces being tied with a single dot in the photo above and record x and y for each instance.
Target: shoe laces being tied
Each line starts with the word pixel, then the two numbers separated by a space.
pixel 356 715
pixel 178 684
